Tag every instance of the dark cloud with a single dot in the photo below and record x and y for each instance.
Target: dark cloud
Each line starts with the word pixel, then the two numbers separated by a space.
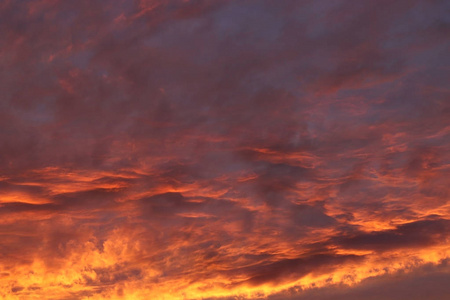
pixel 166 204
pixel 410 235
pixel 19 207
pixel 310 216
pixel 425 283
pixel 294 269
pixel 89 200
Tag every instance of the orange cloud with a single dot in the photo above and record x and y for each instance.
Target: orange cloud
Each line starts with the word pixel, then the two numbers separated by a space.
pixel 224 150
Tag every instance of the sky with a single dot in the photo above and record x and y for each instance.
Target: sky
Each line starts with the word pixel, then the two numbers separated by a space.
pixel 224 150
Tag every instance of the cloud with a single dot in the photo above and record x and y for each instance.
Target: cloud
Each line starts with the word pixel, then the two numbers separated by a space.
pixel 296 268
pixel 216 149
pixel 427 282
pixel 417 234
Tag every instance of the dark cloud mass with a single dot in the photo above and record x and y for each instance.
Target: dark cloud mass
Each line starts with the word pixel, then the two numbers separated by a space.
pixel 212 149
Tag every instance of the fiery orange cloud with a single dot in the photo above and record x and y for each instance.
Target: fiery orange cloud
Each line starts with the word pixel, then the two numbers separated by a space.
pixel 218 150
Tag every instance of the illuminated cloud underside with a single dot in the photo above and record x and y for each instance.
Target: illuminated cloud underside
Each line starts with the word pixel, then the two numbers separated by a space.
pixel 162 149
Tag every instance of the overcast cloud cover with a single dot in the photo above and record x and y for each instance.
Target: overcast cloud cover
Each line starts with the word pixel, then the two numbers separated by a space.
pixel 212 149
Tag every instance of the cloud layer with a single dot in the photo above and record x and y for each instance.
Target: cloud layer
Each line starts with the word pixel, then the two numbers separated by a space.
pixel 172 149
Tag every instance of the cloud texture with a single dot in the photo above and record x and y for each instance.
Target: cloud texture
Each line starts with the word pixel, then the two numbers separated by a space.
pixel 212 149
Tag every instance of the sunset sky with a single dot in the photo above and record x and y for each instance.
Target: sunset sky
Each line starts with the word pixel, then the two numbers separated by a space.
pixel 225 149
